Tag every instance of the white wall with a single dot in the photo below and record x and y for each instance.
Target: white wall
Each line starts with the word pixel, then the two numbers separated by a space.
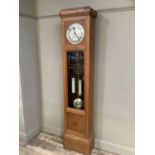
pixel 52 7
pixel 30 95
pixel 27 7
pixel 114 81
pixel 51 75
pixel 114 71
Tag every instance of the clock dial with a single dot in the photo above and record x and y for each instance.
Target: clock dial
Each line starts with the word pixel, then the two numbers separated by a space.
pixel 75 33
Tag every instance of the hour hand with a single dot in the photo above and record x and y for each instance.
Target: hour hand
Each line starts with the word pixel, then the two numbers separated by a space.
pixel 76 35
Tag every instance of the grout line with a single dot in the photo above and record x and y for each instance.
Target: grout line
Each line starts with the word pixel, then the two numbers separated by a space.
pixel 99 11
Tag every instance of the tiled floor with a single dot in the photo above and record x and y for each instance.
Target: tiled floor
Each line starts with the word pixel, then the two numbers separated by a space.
pixel 45 144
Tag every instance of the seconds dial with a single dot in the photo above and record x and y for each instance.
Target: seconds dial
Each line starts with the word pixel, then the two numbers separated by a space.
pixel 75 33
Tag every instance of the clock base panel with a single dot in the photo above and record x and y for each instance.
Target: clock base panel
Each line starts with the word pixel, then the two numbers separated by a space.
pixel 79 144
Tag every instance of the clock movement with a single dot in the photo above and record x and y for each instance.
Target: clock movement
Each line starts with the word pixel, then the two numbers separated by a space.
pixel 78 28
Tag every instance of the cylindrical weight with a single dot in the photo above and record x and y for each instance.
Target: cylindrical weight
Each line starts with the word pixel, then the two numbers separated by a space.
pixel 73 85
pixel 80 87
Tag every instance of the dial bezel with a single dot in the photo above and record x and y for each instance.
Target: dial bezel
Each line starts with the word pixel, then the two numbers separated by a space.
pixel 68 33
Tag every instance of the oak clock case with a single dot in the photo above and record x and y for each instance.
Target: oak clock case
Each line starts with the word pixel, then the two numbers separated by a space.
pixel 78 25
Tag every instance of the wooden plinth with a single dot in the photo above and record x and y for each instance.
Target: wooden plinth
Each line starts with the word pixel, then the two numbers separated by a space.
pixel 78 144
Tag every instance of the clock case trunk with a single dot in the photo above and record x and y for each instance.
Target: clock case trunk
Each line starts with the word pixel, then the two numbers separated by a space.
pixel 78 123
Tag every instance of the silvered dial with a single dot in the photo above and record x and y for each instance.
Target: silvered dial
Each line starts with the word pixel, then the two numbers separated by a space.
pixel 75 33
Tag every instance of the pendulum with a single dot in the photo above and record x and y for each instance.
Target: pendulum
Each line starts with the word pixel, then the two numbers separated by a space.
pixel 78 103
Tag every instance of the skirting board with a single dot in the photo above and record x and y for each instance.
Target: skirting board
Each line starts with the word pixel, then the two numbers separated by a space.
pixel 100 144
pixel 24 138
pixel 119 149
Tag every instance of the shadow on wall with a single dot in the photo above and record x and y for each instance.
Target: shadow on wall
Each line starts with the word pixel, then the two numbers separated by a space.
pixel 99 76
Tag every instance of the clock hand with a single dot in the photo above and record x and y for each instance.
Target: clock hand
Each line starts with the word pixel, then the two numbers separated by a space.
pixel 76 35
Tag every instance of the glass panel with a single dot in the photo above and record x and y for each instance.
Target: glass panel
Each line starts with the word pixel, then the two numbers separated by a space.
pixel 75 65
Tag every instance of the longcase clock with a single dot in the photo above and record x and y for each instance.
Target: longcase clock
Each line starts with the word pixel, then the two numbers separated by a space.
pixel 78 25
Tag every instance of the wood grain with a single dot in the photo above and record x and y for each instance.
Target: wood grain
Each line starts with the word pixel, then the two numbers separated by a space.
pixel 78 124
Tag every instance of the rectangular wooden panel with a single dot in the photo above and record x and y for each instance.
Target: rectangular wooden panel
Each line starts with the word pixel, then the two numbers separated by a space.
pixel 76 123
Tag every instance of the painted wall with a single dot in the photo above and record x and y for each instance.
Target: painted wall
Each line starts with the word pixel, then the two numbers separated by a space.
pixel 114 71
pixel 51 75
pixel 27 7
pixel 30 92
pixel 51 7
pixel 114 81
